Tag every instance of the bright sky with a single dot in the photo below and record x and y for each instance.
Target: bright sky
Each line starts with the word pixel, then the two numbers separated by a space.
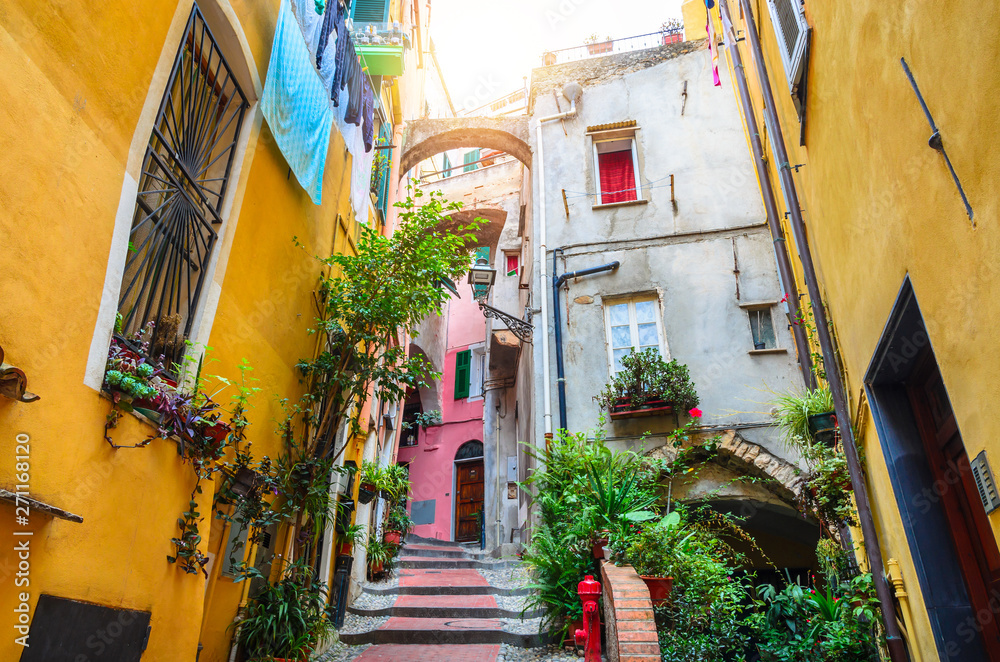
pixel 486 47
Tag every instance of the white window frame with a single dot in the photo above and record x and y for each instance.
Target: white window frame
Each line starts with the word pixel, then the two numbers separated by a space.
pixel 635 167
pixel 793 61
pixel 477 371
pixel 763 308
pixel 633 325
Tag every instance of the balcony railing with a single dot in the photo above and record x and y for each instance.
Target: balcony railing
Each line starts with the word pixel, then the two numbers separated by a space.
pixel 611 47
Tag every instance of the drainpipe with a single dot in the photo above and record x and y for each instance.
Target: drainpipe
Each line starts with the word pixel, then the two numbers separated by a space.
pixel 557 283
pixel 894 640
pixel 572 91
pixel 770 206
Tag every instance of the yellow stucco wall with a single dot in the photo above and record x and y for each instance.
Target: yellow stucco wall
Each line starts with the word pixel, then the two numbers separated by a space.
pixel 77 84
pixel 880 204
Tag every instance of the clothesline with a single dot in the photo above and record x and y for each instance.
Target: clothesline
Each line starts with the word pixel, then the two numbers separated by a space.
pixel 649 186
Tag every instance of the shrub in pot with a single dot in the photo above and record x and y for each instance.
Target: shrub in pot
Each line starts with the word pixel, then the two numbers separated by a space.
pixel 286 620
pixel 655 552
pixel 352 535
pixel 806 417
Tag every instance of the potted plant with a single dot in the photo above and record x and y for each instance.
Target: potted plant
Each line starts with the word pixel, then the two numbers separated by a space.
pixel 371 481
pixel 286 620
pixel 352 535
pixel 654 552
pixel 672 31
pixel 619 498
pixel 381 557
pixel 398 524
pixel 596 46
pixel 647 385
pixel 807 417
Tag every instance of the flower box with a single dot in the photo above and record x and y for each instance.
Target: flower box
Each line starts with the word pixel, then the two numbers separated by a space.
pixel 623 408
pixel 600 47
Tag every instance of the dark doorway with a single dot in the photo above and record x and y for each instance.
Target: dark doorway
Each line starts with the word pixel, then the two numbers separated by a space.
pixel 951 544
pixel 469 491
pixel 970 528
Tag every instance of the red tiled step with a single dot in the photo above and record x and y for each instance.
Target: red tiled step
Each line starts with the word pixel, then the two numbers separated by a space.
pixel 433 548
pixel 447 601
pixel 415 577
pixel 445 653
pixel 439 624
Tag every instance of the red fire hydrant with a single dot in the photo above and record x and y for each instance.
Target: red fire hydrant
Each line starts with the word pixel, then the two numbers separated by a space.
pixel 590 636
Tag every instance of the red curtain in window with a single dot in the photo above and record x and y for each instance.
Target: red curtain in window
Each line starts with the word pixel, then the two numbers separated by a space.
pixel 617 176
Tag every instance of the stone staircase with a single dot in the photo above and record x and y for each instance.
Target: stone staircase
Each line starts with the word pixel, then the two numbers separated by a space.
pixel 443 596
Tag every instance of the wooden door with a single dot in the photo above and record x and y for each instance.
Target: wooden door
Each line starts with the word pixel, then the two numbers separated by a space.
pixel 470 500
pixel 975 543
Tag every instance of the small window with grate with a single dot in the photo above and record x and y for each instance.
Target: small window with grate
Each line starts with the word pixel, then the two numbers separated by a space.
pixel 762 328
pixel 178 210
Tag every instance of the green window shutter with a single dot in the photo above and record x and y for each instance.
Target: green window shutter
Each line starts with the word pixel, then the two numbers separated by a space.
pixel 471 157
pixel 446 167
pixel 370 11
pixel 483 253
pixel 463 373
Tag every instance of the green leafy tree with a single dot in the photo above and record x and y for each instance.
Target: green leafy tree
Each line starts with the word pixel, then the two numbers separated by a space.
pixel 367 302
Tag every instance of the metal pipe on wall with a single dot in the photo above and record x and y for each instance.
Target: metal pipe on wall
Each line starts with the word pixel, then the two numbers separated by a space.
pixel 770 206
pixel 543 268
pixel 894 640
pixel 557 282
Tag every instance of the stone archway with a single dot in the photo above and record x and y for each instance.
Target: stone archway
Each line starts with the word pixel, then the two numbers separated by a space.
pixel 488 234
pixel 426 137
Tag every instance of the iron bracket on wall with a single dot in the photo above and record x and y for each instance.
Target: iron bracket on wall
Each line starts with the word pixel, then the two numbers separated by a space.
pixel 935 142
pixel 523 330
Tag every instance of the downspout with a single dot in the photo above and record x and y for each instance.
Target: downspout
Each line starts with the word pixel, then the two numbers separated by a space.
pixel 770 206
pixel 572 91
pixel 894 640
pixel 557 283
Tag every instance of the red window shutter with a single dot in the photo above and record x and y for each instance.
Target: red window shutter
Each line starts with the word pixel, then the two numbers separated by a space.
pixel 512 265
pixel 617 176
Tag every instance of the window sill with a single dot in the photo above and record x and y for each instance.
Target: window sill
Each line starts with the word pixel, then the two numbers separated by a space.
pixel 629 203
pixel 773 350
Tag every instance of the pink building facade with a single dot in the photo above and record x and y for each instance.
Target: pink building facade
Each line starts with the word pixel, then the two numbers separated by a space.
pixel 447 457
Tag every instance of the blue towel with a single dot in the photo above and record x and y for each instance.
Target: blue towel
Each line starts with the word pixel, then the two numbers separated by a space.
pixel 296 105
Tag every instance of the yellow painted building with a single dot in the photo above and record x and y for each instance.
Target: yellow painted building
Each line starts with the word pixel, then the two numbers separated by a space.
pixel 81 95
pixel 907 269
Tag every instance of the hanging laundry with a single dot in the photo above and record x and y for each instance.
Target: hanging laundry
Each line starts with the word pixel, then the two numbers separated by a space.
pixel 713 48
pixel 296 105
pixel 355 85
pixel 329 21
pixel 345 53
pixel 368 110
pixel 309 22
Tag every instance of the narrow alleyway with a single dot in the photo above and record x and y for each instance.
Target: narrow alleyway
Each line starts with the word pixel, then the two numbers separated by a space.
pixel 445 602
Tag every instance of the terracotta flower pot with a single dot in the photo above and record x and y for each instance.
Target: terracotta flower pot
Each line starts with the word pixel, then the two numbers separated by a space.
pixel 392 537
pixel 598 548
pixel 659 589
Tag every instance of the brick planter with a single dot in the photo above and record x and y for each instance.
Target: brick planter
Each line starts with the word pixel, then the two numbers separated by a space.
pixel 628 616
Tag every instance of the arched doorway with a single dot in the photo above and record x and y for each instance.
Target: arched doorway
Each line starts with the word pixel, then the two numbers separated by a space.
pixel 469 491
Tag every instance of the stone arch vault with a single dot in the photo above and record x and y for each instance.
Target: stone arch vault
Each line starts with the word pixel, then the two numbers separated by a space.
pixel 426 137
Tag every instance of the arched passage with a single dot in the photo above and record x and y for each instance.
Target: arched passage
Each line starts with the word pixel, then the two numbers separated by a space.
pixel 427 137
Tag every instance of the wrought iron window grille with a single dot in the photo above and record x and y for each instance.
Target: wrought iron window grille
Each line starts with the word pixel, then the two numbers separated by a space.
pixel 185 176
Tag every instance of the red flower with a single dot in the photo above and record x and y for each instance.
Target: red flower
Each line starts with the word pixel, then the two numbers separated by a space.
pixel 694 412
